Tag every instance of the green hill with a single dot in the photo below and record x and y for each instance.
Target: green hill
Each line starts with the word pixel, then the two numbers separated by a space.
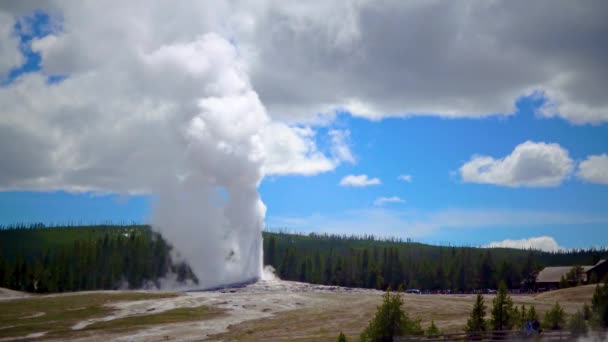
pixel 56 259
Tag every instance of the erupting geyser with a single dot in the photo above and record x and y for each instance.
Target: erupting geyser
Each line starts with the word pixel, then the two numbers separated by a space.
pixel 212 213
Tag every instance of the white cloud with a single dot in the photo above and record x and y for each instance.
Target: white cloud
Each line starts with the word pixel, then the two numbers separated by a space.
pixel 315 57
pixel 594 169
pixel 359 181
pixel 131 91
pixel 340 145
pixel 10 56
pixel 405 178
pixel 357 56
pixel 530 164
pixel 380 201
pixel 292 150
pixel 541 243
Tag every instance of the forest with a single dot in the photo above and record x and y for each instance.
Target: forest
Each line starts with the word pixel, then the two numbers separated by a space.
pixel 368 262
pixel 42 259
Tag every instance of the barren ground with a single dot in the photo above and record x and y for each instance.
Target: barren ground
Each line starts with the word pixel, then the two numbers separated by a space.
pixel 267 310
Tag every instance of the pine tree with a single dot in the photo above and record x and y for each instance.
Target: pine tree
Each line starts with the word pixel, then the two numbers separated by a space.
pixel 532 316
pixel 342 337
pixel 555 318
pixel 577 325
pixel 269 255
pixel 599 306
pixel 477 321
pixel 432 330
pixel 502 309
pixel 390 320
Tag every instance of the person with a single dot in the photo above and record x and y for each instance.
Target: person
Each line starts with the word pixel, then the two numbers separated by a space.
pixel 536 327
pixel 528 328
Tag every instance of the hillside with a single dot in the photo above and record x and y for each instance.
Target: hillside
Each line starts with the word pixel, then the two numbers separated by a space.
pixel 573 294
pixel 372 263
pixel 58 259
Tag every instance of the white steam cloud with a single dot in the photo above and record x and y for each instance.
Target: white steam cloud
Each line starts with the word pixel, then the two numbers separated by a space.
pixel 147 108
pixel 224 158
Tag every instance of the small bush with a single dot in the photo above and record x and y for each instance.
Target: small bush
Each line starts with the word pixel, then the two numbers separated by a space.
pixel 432 329
pixel 555 318
pixel 577 324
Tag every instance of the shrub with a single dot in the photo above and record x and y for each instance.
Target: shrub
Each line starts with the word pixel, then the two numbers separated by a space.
pixel 577 324
pixel 555 318
pixel 432 329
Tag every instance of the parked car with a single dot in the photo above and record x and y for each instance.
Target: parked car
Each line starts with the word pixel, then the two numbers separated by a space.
pixel 413 291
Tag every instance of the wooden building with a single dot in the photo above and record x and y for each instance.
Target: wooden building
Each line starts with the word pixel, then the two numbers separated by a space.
pixel 550 277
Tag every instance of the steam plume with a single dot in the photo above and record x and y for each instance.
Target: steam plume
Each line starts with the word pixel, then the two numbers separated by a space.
pixel 213 213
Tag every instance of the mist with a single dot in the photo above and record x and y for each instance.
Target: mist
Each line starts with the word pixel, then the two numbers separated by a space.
pixel 212 213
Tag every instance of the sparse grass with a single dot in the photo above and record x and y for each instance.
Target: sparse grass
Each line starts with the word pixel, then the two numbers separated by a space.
pixel 198 313
pixel 57 314
pixel 350 313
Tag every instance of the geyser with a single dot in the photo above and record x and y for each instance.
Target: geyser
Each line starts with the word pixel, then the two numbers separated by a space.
pixel 212 213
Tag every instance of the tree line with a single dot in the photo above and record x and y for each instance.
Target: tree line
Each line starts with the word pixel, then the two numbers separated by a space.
pixel 369 262
pixel 39 259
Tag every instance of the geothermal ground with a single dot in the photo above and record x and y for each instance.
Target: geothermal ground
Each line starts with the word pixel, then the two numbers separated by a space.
pixel 268 310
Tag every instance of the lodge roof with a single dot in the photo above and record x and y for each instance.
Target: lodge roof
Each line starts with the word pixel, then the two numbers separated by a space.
pixel 554 274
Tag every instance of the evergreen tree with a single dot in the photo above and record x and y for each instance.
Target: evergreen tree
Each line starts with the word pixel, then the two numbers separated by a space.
pixel 586 312
pixel 599 306
pixel 390 320
pixel 477 320
pixel 342 337
pixel 577 325
pixel 486 273
pixel 270 252
pixel 502 309
pixel 531 315
pixel 555 318
pixel 432 330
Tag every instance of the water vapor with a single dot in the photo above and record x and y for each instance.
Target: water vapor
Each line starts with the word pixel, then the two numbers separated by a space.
pixel 213 213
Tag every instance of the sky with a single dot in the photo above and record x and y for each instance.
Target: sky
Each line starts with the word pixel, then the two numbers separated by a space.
pixel 473 125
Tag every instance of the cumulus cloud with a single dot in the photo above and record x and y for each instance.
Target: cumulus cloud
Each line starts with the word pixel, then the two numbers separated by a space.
pixel 131 90
pixel 594 169
pixel 530 164
pixel 405 178
pixel 380 201
pixel 315 57
pixel 469 61
pixel 359 181
pixel 541 243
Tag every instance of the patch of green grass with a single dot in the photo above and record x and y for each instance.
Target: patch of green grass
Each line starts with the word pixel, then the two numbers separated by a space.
pixel 170 316
pixel 20 317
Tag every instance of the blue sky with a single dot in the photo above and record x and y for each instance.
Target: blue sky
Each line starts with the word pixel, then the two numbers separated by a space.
pixel 439 204
pixel 430 150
